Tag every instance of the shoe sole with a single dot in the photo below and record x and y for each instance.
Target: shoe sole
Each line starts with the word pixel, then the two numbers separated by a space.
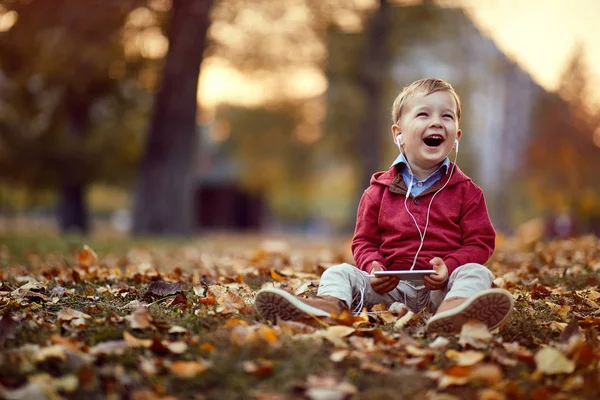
pixel 277 304
pixel 491 307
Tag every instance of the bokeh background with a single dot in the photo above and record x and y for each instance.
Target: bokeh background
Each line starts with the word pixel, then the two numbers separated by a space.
pixel 183 117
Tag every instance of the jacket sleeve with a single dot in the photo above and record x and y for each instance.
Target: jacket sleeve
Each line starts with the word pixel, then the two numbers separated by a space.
pixel 479 237
pixel 367 236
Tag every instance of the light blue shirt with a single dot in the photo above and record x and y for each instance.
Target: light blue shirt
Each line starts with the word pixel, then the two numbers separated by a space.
pixel 419 186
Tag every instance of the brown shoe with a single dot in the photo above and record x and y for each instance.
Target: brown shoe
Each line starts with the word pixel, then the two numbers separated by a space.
pixel 492 307
pixel 275 304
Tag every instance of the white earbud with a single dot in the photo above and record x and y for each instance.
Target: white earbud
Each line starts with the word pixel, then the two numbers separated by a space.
pixel 398 142
pixel 456 145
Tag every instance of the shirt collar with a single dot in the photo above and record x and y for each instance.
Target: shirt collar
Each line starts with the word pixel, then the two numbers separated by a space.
pixel 401 159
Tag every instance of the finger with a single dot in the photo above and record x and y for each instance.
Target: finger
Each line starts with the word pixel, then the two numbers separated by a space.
pixel 438 278
pixel 385 285
pixel 432 283
pixel 376 266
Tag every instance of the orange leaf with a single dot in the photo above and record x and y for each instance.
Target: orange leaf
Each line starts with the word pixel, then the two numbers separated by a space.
pixel 87 257
pixel 278 276
pixel 189 369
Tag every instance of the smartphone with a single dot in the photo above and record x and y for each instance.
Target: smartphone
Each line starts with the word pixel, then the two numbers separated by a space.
pixel 413 275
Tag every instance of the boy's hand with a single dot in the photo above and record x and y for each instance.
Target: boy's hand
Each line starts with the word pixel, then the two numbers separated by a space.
pixel 438 280
pixel 383 284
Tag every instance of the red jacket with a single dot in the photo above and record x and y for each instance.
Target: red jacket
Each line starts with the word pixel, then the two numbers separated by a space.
pixel 459 230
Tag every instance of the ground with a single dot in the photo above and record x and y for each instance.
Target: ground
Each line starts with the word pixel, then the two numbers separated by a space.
pixel 145 319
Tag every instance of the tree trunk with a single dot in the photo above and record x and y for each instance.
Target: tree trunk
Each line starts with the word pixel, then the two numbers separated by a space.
pixel 72 205
pixel 373 73
pixel 164 192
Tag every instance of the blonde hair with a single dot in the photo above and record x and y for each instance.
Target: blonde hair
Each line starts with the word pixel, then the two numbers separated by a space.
pixel 427 85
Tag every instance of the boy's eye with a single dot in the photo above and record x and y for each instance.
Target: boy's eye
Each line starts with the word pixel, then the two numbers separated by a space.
pixel 422 114
pixel 448 116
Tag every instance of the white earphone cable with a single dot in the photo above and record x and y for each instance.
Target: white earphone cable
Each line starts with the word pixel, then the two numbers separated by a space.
pixel 424 232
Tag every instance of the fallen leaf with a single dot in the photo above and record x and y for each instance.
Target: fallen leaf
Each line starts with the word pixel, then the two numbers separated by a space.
pixel 402 322
pixel 55 351
pixel 161 288
pixel 489 373
pixel 278 276
pixel 328 388
pixel 474 333
pixel 8 327
pixel 140 319
pixel 133 341
pixel 189 369
pixel 551 362
pixel 339 355
pixel 87 257
pixel 117 347
pixel 260 366
pixel 68 314
pixel 176 347
pixel 465 358
pixel 562 311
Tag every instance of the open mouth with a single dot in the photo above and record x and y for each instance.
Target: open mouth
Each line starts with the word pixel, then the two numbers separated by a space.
pixel 433 140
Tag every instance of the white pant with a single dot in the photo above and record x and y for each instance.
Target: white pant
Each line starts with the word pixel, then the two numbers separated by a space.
pixel 348 283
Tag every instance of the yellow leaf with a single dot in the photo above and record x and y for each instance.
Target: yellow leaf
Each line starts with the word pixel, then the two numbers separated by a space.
pixel 551 362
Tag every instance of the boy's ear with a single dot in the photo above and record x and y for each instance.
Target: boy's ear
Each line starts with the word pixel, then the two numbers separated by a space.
pixel 458 135
pixel 395 132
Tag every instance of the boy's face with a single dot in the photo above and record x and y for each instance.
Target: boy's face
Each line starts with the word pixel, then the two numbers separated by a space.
pixel 429 126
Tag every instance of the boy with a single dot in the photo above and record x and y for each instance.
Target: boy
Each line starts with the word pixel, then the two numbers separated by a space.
pixel 423 213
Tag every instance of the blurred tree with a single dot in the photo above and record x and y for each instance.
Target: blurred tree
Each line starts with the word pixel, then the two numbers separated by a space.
pixel 71 99
pixel 260 38
pixel 374 67
pixel 164 193
pixel 563 160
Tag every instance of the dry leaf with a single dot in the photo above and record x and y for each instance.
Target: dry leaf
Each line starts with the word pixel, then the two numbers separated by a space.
pixel 402 322
pixel 161 288
pixel 87 257
pixel 474 333
pixel 278 276
pixel 339 355
pixel 328 388
pixel 8 327
pixel 117 347
pixel 133 341
pixel 140 319
pixel 189 369
pixel 551 362
pixel 465 358
pixel 562 311
pixel 260 366
pixel 176 347
pixel 68 314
